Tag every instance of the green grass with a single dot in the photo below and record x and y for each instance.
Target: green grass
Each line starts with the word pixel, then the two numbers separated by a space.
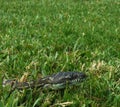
pixel 43 37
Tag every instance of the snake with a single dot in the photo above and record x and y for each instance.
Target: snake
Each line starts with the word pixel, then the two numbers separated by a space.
pixel 55 81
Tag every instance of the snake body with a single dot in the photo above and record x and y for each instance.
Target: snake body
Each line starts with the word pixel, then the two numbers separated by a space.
pixel 54 82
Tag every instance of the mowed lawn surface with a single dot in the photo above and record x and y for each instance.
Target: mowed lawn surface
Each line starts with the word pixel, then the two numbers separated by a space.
pixel 42 37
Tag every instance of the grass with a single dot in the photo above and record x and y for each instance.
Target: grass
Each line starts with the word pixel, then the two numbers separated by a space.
pixel 43 37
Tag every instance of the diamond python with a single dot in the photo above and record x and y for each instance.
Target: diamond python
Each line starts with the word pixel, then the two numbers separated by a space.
pixel 54 82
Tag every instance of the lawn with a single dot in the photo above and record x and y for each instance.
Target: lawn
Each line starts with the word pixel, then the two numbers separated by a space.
pixel 42 37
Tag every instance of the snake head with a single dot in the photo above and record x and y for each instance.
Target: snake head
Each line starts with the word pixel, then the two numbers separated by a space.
pixel 61 79
pixel 68 76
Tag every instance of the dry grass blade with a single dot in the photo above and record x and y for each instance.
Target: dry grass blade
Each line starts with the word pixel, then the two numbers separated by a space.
pixel 24 77
pixel 64 104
